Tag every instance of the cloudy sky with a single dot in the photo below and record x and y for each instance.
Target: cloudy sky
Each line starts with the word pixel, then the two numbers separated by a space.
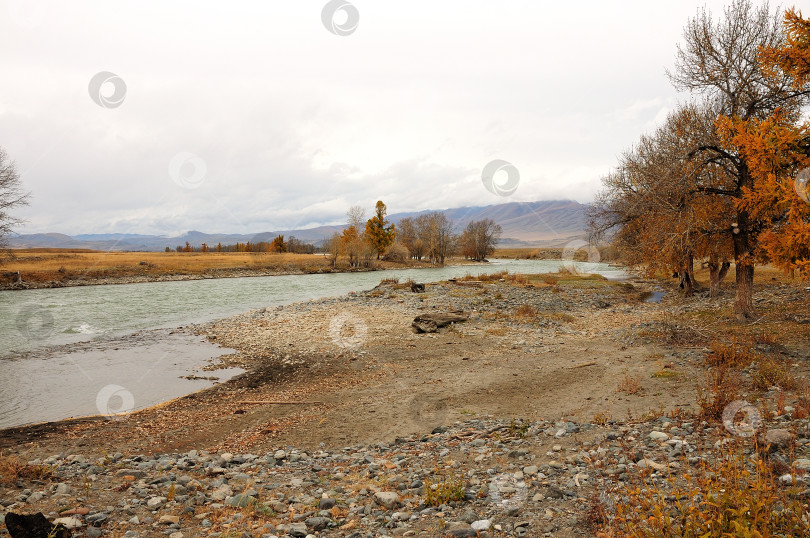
pixel 242 117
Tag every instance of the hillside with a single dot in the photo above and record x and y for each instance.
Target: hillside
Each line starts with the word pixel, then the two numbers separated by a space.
pixel 525 224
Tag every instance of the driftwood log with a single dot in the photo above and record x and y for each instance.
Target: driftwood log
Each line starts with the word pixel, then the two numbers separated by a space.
pixel 431 323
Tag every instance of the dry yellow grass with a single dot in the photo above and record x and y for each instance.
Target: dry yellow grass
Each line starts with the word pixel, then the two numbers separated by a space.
pixel 41 265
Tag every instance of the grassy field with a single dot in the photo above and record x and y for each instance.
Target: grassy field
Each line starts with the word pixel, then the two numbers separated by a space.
pixel 606 254
pixel 60 265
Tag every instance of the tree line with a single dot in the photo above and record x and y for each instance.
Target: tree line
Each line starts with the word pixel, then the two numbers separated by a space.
pixel 278 244
pixel 722 180
pixel 427 237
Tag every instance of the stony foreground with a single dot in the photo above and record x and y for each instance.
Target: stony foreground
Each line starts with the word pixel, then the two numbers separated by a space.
pixel 516 479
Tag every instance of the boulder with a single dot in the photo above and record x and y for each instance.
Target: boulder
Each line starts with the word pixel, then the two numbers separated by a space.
pixel 33 526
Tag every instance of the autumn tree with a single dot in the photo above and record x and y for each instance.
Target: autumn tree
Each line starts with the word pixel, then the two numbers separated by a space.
pixel 278 244
pixel 720 61
pixel 777 150
pixel 11 196
pixel 479 238
pixel 662 219
pixel 332 249
pixel 351 245
pixel 219 247
pixel 435 231
pixel 379 233
pixel 406 234
pixel 204 247
pixel 188 247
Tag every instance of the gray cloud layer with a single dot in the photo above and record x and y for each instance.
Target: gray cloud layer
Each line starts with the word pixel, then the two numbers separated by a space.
pixel 293 123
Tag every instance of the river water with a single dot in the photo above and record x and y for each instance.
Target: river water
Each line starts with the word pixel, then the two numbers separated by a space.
pixel 70 351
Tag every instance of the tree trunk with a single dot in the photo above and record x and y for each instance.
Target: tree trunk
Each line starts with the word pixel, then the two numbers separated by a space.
pixel 744 303
pixel 717 272
pixel 686 276
pixel 743 267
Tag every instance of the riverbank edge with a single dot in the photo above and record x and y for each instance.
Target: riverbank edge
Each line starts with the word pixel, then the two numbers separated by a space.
pixel 226 273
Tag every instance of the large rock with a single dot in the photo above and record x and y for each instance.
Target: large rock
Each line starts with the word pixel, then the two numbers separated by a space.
pixel 776 439
pixel 297 530
pixel 388 499
pixel 318 523
pixel 33 526
pixel 430 323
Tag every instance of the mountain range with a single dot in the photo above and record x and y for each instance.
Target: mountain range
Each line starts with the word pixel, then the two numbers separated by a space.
pixel 525 224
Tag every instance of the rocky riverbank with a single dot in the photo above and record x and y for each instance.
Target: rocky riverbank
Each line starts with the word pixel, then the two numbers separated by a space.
pixel 483 477
pixel 531 418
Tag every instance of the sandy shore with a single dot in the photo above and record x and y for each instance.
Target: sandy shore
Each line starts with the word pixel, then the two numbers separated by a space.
pixel 351 372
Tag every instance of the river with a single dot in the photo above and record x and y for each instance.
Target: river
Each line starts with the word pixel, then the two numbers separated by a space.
pixel 67 351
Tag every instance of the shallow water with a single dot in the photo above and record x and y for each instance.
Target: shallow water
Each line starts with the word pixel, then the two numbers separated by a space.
pixel 49 374
pixel 106 377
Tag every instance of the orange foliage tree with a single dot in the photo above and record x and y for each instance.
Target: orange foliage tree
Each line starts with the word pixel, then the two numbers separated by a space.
pixel 379 233
pixel 777 150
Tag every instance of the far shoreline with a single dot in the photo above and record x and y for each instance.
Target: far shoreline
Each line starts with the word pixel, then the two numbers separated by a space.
pixel 221 274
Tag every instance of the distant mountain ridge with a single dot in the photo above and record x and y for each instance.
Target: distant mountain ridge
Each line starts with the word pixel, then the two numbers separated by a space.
pixel 525 224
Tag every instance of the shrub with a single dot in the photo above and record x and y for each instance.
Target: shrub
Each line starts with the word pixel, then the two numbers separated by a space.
pixel 444 490
pixel 769 373
pixel 13 469
pixel 730 495
pixel 722 388
pixel 735 355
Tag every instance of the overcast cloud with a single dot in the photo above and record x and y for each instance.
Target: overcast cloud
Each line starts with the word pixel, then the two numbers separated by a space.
pixel 291 124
